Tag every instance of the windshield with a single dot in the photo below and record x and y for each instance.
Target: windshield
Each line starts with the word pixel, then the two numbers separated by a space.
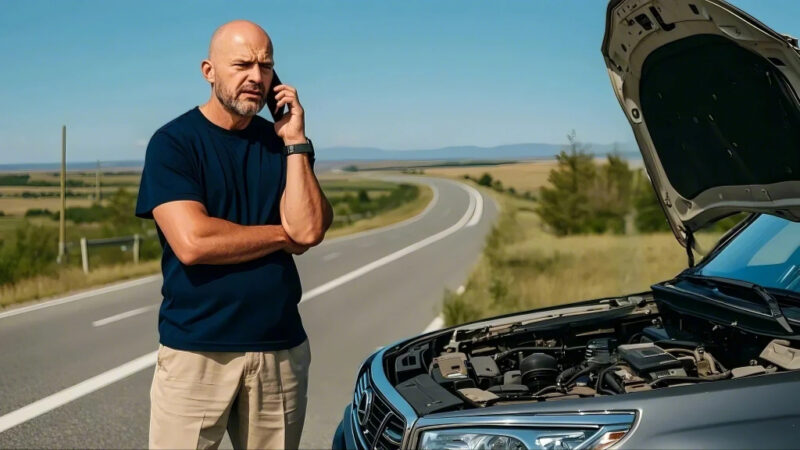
pixel 766 253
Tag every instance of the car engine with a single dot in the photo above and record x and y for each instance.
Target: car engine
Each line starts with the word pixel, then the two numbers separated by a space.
pixel 521 363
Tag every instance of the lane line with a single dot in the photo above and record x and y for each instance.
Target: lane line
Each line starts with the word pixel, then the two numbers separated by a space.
pixel 403 223
pixel 69 394
pixel 95 383
pixel 350 276
pixel 330 256
pixel 125 315
pixel 81 296
pixel 436 324
pixel 478 207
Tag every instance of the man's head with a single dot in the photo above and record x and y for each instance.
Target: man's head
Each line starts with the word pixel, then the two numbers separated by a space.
pixel 239 67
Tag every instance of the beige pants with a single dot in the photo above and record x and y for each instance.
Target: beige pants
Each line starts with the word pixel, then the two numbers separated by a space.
pixel 259 397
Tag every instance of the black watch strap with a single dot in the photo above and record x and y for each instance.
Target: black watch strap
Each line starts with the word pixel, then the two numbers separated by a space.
pixel 308 147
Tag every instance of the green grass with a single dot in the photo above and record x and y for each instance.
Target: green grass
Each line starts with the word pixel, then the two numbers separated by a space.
pixel 524 267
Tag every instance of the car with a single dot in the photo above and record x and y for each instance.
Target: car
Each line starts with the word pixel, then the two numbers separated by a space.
pixel 707 359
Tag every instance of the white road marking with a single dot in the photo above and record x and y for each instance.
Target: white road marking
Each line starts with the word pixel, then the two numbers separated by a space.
pixel 336 282
pixel 476 217
pixel 403 223
pixel 436 324
pixel 80 296
pixel 330 256
pixel 95 383
pixel 69 394
pixel 125 315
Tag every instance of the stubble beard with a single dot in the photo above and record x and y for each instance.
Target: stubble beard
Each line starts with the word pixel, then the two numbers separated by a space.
pixel 231 103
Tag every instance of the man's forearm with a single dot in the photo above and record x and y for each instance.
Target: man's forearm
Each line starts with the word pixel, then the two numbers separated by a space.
pixel 305 211
pixel 217 241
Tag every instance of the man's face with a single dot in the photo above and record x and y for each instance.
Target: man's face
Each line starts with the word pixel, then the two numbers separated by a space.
pixel 243 74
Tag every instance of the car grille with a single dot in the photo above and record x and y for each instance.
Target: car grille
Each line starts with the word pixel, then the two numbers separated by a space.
pixel 376 424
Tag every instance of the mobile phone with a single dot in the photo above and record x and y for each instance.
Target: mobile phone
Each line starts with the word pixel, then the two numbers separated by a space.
pixel 272 103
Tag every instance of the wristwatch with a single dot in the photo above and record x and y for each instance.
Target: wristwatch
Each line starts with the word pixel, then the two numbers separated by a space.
pixel 308 147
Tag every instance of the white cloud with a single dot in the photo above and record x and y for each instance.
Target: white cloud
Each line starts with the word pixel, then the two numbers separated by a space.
pixel 141 142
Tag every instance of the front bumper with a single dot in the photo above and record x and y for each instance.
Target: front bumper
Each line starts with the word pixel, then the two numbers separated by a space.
pixel 344 438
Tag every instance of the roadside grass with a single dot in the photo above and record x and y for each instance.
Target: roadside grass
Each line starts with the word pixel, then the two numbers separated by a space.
pixel 523 177
pixel 524 267
pixel 389 217
pixel 72 279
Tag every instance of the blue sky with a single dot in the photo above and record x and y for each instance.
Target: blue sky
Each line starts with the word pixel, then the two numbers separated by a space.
pixel 391 74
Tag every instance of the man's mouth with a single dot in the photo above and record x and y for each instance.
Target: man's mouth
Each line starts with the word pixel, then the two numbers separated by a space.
pixel 253 93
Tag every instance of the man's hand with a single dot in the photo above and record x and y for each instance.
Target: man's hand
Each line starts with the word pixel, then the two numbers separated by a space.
pixel 294 248
pixel 292 127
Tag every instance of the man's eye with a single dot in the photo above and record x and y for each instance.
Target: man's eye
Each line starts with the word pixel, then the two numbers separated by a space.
pixel 266 66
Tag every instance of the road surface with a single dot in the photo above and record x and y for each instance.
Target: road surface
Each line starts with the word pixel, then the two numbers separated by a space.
pixel 76 372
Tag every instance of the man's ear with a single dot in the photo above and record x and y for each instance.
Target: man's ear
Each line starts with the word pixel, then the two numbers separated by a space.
pixel 208 70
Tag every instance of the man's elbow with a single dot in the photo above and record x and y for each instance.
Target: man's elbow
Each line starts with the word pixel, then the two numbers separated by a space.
pixel 189 252
pixel 306 236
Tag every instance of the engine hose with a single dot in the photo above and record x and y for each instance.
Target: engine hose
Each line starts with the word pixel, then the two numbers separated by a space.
pixel 566 374
pixel 681 379
pixel 544 390
pixel 602 374
pixel 584 371
pixel 612 382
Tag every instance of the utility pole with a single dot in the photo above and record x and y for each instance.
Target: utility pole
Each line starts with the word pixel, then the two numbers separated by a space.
pixel 97 184
pixel 62 222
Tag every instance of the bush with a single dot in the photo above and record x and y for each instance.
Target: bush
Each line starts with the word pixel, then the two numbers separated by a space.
pixel 34 212
pixel 33 252
pixel 485 180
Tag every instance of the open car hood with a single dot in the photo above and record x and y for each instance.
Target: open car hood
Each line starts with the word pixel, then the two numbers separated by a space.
pixel 711 95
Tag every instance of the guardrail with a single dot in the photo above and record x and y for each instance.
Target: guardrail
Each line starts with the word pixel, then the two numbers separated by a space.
pixel 134 240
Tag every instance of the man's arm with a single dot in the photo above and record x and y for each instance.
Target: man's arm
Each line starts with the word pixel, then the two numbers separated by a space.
pixel 305 212
pixel 197 238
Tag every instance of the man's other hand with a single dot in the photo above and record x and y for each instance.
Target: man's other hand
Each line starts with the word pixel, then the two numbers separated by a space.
pixel 294 248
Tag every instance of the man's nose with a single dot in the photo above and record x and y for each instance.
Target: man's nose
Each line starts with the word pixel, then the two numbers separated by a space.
pixel 255 75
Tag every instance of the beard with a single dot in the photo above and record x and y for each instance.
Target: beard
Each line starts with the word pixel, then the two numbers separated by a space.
pixel 245 108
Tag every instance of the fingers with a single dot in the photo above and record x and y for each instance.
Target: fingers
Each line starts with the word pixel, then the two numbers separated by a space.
pixel 287 95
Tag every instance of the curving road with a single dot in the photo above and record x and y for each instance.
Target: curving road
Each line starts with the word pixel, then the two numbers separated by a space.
pixel 76 372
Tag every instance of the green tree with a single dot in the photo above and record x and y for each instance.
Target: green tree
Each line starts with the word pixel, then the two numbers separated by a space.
pixel 485 180
pixel 611 198
pixel 564 207
pixel 649 214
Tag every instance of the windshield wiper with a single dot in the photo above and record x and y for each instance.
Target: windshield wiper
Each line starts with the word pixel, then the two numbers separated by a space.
pixel 774 308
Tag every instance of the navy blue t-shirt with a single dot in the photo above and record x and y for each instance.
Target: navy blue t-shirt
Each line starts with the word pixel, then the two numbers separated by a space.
pixel 239 176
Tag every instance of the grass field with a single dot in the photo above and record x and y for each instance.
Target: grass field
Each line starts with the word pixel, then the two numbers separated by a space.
pixel 524 267
pixel 72 278
pixel 527 176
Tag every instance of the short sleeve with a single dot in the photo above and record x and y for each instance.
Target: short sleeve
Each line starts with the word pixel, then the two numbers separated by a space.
pixel 169 174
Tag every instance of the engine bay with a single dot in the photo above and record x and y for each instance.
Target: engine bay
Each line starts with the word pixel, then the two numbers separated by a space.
pixel 554 360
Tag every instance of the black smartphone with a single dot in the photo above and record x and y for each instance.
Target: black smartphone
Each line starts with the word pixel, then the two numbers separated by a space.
pixel 272 104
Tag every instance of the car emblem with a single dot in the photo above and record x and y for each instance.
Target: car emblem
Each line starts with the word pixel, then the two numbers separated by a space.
pixel 364 407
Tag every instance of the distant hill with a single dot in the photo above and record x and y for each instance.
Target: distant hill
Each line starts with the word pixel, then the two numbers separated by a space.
pixel 354 154
pixel 510 152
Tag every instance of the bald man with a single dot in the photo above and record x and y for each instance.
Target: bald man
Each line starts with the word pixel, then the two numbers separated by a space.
pixel 233 196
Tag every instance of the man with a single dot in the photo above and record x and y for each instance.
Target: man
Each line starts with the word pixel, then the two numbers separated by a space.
pixel 234 197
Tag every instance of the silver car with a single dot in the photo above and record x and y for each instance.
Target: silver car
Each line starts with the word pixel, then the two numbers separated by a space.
pixel 708 359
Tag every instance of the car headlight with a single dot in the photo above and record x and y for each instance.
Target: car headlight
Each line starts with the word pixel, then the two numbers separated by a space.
pixel 522 439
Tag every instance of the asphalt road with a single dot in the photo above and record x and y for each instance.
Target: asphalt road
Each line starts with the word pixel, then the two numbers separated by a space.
pixel 76 373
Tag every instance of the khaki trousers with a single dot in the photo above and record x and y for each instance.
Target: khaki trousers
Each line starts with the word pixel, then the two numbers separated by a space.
pixel 259 397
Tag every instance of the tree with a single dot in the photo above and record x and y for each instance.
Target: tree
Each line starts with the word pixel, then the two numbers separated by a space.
pixel 564 206
pixel 485 180
pixel 610 200
pixel 649 214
